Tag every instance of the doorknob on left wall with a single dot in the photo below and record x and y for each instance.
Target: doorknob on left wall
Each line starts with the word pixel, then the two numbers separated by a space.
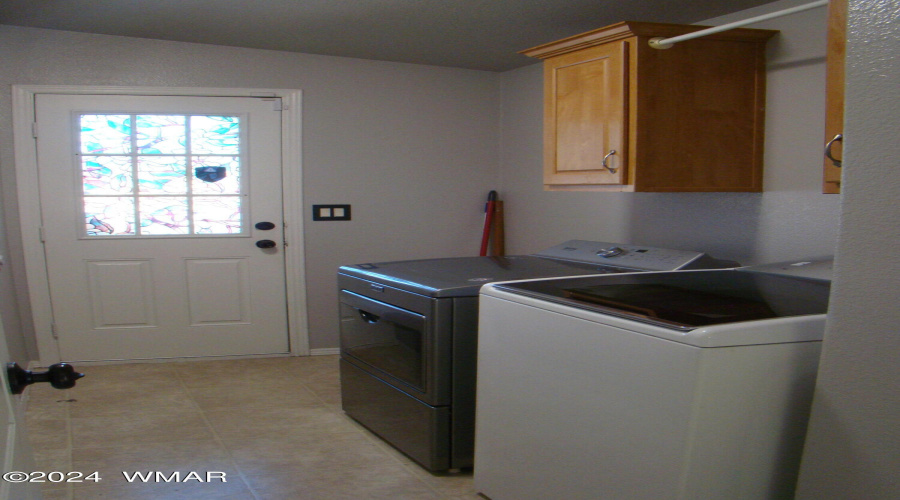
pixel 60 376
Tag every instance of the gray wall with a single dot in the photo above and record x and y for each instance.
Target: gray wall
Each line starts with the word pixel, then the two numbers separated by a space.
pixel 790 219
pixel 385 120
pixel 853 443
pixel 413 148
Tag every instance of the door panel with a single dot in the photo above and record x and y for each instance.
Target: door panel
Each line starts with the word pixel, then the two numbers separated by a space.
pixel 218 290
pixel 121 293
pixel 148 207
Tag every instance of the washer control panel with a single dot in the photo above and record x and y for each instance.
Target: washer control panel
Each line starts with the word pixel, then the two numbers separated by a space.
pixel 642 258
pixel 610 252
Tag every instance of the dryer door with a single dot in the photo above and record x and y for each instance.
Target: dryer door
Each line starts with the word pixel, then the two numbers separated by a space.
pixel 393 344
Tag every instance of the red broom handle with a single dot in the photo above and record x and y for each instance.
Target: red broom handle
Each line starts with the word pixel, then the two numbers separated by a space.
pixel 488 215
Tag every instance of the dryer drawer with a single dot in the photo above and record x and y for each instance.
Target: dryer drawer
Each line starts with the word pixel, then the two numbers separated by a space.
pixel 419 430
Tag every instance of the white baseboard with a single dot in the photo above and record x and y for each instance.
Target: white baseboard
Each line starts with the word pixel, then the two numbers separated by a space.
pixel 326 351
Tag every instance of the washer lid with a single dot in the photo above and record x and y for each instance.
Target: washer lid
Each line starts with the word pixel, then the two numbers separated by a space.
pixel 685 300
pixel 816 268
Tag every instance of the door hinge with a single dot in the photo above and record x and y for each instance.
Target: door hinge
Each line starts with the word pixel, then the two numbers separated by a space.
pixel 53 331
pixel 277 103
pixel 41 234
pixel 34 130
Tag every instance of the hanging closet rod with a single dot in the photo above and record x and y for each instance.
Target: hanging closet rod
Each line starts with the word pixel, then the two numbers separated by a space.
pixel 665 43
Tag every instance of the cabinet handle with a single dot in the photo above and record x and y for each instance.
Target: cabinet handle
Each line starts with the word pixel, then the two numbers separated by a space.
pixel 837 163
pixel 603 163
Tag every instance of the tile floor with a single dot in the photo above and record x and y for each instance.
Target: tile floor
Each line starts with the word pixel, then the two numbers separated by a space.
pixel 273 426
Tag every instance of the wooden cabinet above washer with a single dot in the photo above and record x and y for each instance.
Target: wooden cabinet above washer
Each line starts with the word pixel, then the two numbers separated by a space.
pixel 620 115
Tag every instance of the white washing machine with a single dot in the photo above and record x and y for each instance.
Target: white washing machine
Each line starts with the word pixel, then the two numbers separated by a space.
pixel 669 385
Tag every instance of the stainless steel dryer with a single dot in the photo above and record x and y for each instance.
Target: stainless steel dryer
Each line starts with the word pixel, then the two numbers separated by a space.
pixel 409 337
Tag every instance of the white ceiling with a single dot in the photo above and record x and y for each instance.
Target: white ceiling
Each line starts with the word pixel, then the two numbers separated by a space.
pixel 476 34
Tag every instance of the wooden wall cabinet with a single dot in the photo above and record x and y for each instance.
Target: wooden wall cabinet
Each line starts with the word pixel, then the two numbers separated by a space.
pixel 620 115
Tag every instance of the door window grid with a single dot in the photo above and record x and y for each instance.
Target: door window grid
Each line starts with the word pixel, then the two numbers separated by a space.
pixel 160 175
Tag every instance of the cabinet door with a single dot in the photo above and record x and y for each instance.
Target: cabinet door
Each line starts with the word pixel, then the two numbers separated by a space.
pixel 834 91
pixel 586 116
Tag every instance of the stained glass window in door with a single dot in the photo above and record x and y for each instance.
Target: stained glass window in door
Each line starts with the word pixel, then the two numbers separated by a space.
pixel 106 215
pixel 215 183
pixel 215 134
pixel 160 134
pixel 106 134
pixel 161 175
pixel 108 175
pixel 217 214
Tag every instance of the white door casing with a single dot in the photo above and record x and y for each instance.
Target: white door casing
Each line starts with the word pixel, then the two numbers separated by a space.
pixel 29 187
pixel 15 449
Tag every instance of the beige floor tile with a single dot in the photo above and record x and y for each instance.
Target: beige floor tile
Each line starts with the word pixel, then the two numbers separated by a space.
pixel 329 396
pixel 48 459
pixel 98 402
pixel 138 429
pixel 202 457
pixel 45 394
pixel 162 491
pixel 455 484
pixel 278 423
pixel 48 435
pixel 46 406
pixel 249 395
pixel 260 369
pixel 56 493
pixel 189 455
pixel 286 454
pixel 273 426
pixel 326 384
pixel 126 375
pixel 217 372
pixel 389 482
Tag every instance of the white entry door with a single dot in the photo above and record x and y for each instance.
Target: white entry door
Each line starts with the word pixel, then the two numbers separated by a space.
pixel 162 225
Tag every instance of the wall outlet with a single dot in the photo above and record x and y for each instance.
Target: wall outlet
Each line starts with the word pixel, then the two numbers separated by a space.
pixel 331 212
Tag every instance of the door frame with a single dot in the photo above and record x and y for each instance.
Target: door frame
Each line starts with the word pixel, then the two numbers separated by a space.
pixel 25 145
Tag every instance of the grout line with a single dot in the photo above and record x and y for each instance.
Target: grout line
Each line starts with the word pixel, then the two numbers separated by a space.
pixel 216 437
pixel 70 450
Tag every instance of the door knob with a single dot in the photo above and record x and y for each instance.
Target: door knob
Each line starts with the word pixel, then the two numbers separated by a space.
pixel 266 244
pixel 60 376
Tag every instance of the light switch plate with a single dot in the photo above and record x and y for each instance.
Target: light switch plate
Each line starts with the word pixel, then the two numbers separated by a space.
pixel 331 212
